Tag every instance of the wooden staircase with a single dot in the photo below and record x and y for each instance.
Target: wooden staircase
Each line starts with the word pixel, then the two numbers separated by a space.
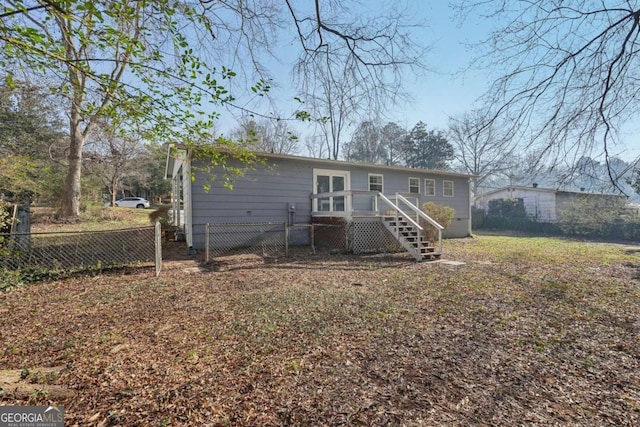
pixel 411 238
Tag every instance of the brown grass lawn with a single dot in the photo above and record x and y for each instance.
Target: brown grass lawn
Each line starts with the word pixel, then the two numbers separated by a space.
pixel 529 331
pixel 95 218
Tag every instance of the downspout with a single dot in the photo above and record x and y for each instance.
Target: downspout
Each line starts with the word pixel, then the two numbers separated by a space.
pixel 186 188
pixel 175 199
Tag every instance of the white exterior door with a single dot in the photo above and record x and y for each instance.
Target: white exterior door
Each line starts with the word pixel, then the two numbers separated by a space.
pixel 331 181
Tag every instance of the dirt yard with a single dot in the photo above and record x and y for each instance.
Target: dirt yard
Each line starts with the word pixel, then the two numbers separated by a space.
pixel 527 331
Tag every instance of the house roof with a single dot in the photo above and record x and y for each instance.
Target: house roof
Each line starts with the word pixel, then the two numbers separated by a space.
pixel 543 190
pixel 342 163
pixel 362 164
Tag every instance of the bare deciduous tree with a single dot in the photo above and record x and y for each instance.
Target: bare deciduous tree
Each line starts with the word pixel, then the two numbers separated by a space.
pixel 314 144
pixel 352 67
pixel 266 135
pixel 168 67
pixel 335 102
pixel 570 71
pixel 113 157
pixel 480 148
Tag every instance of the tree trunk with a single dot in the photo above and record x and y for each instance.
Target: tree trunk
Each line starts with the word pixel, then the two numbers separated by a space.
pixel 113 191
pixel 71 193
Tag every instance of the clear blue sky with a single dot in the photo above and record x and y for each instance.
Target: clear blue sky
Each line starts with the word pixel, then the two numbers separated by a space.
pixel 438 94
pixel 445 91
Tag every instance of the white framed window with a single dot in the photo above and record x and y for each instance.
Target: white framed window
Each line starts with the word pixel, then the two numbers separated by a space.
pixel 447 188
pixel 429 187
pixel 414 185
pixel 330 181
pixel 376 182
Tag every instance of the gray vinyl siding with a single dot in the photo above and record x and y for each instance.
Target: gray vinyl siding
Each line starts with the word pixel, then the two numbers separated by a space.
pixel 263 194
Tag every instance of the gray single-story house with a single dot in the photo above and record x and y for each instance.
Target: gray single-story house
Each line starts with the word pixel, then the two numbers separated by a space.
pixel 300 190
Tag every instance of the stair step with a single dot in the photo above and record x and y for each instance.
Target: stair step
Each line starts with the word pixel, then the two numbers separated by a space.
pixel 411 239
pixel 401 224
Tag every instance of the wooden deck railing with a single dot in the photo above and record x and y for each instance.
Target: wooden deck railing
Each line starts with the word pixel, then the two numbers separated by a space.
pixel 356 203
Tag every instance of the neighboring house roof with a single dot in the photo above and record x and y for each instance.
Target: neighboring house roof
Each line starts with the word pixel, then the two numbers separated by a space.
pixel 336 163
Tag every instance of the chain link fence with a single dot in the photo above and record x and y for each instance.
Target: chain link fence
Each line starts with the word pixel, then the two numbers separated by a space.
pixel 267 239
pixel 301 235
pixel 273 240
pixel 58 253
pixel 332 237
pixel 33 256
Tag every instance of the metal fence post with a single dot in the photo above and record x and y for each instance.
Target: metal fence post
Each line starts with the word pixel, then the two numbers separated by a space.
pixel 312 238
pixel 286 239
pixel 206 243
pixel 345 234
pixel 158 247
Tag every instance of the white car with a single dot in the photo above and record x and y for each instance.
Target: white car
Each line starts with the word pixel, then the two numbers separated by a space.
pixel 133 202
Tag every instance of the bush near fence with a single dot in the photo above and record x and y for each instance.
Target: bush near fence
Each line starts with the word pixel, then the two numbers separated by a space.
pixel 477 218
pixel 628 231
pixel 521 224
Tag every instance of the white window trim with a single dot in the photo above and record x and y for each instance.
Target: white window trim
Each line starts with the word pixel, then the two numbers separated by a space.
pixel 347 187
pixel 443 189
pixel 434 187
pixel 409 182
pixel 369 181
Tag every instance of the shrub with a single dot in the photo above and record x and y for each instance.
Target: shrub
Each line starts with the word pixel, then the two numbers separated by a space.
pixel 6 210
pixel 160 215
pixel 9 279
pixel 443 215
pixel 507 208
pixel 599 217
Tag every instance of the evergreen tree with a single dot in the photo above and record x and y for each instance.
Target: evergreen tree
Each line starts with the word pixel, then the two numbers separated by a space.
pixel 427 149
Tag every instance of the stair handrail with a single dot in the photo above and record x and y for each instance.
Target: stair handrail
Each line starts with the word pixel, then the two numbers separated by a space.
pixel 397 208
pixel 423 215
pixel 419 212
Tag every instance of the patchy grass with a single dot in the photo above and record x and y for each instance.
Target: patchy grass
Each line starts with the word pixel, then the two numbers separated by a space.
pixel 93 219
pixel 528 331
